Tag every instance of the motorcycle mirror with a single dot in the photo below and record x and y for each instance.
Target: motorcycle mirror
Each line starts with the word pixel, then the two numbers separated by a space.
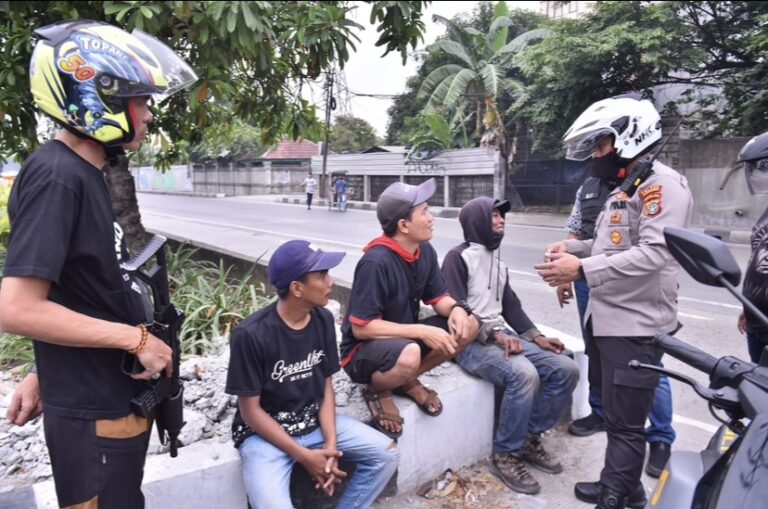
pixel 705 258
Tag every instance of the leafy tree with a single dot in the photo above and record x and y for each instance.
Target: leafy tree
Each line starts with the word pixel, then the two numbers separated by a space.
pixel 716 49
pixel 254 56
pixel 351 134
pixel 436 133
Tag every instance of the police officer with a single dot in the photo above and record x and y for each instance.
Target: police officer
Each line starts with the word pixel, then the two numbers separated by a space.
pixel 632 279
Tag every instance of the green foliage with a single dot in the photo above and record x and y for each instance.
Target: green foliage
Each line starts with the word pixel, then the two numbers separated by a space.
pixel 5 223
pixel 351 134
pixel 434 132
pixel 714 50
pixel 212 298
pixel 252 56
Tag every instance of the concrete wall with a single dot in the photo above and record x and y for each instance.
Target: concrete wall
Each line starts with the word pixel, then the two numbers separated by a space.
pixel 706 163
pixel 242 179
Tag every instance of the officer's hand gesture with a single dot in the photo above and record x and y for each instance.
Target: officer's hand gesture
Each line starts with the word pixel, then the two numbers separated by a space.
pixel 564 294
pixel 560 268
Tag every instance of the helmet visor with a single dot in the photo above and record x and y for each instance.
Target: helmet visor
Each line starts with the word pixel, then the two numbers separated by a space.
pixel 176 73
pixel 757 176
pixel 582 147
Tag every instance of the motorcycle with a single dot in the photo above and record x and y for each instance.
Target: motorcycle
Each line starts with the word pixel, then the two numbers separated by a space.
pixel 732 471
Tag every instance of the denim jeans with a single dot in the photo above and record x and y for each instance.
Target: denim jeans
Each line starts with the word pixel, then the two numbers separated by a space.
pixel 661 429
pixel 536 383
pixel 756 341
pixel 267 469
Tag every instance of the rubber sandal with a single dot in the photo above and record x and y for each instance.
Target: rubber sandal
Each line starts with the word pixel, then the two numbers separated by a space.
pixel 373 401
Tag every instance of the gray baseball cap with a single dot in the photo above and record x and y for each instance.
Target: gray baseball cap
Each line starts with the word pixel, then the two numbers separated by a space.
pixel 397 199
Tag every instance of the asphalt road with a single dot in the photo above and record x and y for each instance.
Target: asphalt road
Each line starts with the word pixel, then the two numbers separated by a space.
pixel 255 226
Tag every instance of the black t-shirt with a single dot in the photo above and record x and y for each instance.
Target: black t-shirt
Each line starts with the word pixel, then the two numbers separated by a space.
pixel 63 230
pixel 756 279
pixel 287 368
pixel 381 289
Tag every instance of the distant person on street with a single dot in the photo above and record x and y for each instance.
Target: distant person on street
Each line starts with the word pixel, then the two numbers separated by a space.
pixel 537 379
pixel 590 199
pixel 754 155
pixel 384 343
pixel 281 363
pixel 310 186
pixel 64 284
pixel 341 186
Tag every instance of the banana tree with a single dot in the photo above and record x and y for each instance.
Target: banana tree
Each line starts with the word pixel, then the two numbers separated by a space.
pixel 475 85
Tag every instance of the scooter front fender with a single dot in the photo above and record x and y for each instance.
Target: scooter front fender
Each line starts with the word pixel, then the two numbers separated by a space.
pixel 677 483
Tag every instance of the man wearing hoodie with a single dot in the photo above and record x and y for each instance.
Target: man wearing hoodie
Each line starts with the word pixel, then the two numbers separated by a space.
pixel 536 377
pixel 384 344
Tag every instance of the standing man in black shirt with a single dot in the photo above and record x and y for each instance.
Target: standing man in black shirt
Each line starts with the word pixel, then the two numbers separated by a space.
pixel 63 284
pixel 281 363
pixel 754 155
pixel 384 344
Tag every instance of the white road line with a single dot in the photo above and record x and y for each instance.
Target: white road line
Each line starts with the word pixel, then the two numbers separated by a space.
pixel 259 230
pixel 711 303
pixel 693 422
pixel 697 317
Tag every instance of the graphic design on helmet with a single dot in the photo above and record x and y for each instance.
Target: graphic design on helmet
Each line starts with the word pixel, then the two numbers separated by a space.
pixel 634 124
pixel 84 73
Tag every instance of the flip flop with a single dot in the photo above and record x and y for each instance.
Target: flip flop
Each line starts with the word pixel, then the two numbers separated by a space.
pixel 432 399
pixel 373 401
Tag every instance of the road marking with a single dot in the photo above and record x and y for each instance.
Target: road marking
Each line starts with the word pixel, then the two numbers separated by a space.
pixel 259 230
pixel 697 317
pixel 711 303
pixel 709 428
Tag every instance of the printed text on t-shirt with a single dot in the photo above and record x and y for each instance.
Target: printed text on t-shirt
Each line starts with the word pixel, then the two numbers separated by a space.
pixel 282 370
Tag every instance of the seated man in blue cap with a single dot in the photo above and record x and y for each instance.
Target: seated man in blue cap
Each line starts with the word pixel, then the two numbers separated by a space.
pixel 280 368
pixel 384 344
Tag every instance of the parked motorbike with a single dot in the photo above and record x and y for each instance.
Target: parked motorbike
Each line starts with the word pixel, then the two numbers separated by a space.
pixel 732 471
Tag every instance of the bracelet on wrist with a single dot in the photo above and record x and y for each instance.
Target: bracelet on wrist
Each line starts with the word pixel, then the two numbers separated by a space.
pixel 463 305
pixel 142 341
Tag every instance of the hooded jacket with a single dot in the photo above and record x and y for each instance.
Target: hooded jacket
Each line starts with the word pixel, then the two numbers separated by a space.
pixel 474 273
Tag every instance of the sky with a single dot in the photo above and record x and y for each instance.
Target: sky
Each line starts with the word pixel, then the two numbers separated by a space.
pixel 367 72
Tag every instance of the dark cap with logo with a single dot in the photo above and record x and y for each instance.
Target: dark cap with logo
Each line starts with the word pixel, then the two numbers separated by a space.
pixel 397 199
pixel 295 258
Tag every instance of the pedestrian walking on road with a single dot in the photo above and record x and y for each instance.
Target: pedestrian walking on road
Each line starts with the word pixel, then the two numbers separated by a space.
pixel 310 187
pixel 633 282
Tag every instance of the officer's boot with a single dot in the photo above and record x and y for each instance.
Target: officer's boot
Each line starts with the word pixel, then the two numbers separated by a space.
pixel 610 499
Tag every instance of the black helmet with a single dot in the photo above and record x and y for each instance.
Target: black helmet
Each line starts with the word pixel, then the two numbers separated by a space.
pixel 754 155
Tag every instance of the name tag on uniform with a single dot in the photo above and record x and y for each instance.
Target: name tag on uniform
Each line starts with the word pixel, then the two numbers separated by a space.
pixel 618 205
pixel 589 196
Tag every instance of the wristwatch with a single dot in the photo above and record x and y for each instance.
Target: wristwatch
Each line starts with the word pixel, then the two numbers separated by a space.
pixel 463 305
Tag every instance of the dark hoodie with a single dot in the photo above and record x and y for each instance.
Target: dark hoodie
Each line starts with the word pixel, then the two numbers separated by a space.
pixel 485 285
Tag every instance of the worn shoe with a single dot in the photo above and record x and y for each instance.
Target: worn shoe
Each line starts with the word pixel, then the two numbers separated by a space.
pixel 590 492
pixel 657 459
pixel 588 425
pixel 512 472
pixel 535 454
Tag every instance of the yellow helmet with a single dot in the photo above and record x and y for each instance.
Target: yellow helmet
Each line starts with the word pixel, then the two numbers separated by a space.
pixel 83 74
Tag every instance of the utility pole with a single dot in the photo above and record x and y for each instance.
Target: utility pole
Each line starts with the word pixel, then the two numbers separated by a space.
pixel 329 105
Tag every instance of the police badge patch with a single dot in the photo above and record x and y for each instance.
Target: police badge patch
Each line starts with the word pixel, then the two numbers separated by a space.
pixel 651 197
pixel 616 237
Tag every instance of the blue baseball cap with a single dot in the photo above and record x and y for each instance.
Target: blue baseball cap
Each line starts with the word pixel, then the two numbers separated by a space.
pixel 295 258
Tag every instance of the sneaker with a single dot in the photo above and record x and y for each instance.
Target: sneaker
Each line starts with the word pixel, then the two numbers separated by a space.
pixel 512 472
pixel 588 425
pixel 657 459
pixel 535 454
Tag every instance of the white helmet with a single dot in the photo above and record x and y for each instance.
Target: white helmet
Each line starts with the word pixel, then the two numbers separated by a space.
pixel 634 123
